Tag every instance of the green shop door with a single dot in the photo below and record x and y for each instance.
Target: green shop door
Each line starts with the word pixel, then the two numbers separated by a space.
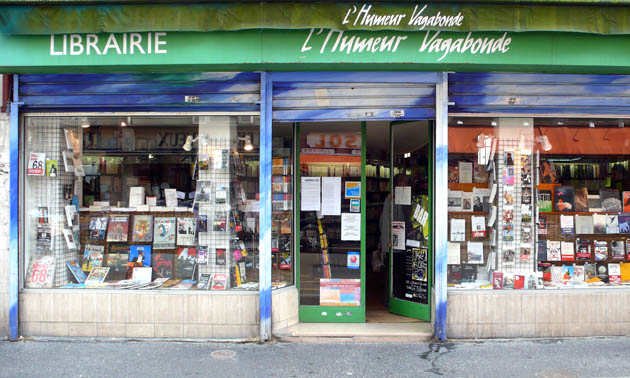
pixel 331 221
pixel 409 206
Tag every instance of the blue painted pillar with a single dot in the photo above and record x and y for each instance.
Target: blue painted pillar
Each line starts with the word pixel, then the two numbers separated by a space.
pixel 264 246
pixel 13 232
pixel 440 217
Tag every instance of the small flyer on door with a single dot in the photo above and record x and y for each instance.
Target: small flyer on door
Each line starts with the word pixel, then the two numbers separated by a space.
pixel 398 235
pixel 352 189
pixel 350 226
pixel 354 259
pixel 36 164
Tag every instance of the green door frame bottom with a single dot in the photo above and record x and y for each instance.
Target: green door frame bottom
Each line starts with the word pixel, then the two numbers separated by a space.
pixel 333 314
pixel 397 305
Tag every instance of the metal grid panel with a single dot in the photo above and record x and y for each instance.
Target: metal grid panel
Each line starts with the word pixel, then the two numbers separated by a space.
pixel 46 135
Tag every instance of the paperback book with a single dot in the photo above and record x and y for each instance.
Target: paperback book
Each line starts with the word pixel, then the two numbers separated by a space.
pixel 594 203
pixel 567 251
pixel 553 250
pixel 626 202
pixel 612 224
pixel 76 271
pixel 219 281
pixel 614 272
pixel 581 199
pixel 140 255
pixel 617 250
pixel 600 248
pixel 599 223
pixel 583 248
pixel 186 231
pixel 624 223
pixel 544 201
pixel 584 224
pixel 96 277
pixel 564 198
pixel 610 200
pixel 205 281
pixel 542 250
pixel 117 263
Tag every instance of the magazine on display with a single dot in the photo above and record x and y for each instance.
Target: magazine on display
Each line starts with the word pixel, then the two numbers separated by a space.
pixel 44 239
pixel 140 255
pixel 219 281
pixel 76 271
pixel 185 264
pixel 70 240
pixel 96 277
pixel 162 264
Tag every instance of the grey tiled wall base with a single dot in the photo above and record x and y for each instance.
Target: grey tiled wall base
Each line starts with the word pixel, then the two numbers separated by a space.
pixel 546 313
pixel 135 314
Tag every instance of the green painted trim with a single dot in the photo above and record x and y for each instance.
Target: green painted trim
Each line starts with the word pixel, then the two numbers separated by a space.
pixel 410 309
pixel 31 18
pixel 313 314
pixel 363 217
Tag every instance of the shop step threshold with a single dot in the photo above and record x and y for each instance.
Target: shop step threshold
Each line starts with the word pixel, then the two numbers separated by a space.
pixel 356 332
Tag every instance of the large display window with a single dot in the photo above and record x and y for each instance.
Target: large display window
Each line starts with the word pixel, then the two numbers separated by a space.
pixel 538 203
pixel 142 202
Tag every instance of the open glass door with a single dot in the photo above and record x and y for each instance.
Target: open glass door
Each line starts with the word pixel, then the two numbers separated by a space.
pixel 331 220
pixel 410 213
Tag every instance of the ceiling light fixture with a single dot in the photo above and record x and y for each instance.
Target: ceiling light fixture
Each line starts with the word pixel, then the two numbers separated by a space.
pixel 247 146
pixel 85 123
pixel 125 123
pixel 591 124
pixel 460 122
pixel 621 124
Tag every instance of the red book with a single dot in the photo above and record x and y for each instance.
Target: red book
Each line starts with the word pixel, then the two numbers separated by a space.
pixel 497 280
pixel 519 282
pixel 626 202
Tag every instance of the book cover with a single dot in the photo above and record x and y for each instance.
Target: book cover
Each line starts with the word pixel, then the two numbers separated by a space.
pixel 599 223
pixel 581 199
pixel 553 250
pixel 542 225
pixel 52 169
pixel 602 272
pixel 164 233
pixel 626 202
pixel 624 223
pixel 140 255
pixel 508 231
pixel 76 271
pixel 220 256
pixel 453 173
pixel 118 228
pixel 454 274
pixel 583 248
pixel 519 282
pixel 469 273
pixel 578 273
pixel 69 238
pixel 454 200
pixel 117 263
pixel 202 223
pixel 544 201
pixel 509 256
pixel 526 213
pixel 567 273
pixel 542 250
pixel 478 225
pixel 612 224
pixel 594 203
pixel 97 276
pixel 526 234
pixel 162 264
pixel 467 201
pixel 480 175
pixel 508 280
pixel 44 240
pixel 590 271
pixel 285 261
pixel 617 250
pixel 600 248
pixel 497 280
pixel 584 224
pixel 564 198
pixel 610 200
pixel 567 226
pixel 219 281
pixel 186 231
pixel 508 175
pixel 508 195
pixel 142 228
pixel 567 251
pixel 556 274
pixel 92 257
pixel 185 264
pixel 97 228
pixel 526 253
pixel 72 217
pixel 465 172
pixel 141 274
pixel 219 223
pixel 205 281
pixel 42 216
pixel 614 272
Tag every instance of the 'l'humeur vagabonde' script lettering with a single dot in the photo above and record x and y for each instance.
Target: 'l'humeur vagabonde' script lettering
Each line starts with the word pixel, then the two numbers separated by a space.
pixel 339 41
pixel 365 17
pixel 110 44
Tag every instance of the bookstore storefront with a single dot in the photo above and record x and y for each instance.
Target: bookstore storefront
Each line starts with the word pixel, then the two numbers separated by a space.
pixel 146 203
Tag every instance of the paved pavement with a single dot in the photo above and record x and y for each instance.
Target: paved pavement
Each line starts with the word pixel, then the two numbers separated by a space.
pixel 591 357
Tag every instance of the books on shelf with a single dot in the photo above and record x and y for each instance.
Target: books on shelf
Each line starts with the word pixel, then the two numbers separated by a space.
pixel 118 228
pixel 142 228
pixel 98 228
pixel 564 198
pixel 92 257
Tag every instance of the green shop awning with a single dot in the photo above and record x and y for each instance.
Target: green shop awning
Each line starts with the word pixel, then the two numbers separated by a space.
pixel 60 17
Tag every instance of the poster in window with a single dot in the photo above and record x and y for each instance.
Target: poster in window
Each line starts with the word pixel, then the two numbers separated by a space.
pixel 36 164
pixel 339 292
pixel 41 272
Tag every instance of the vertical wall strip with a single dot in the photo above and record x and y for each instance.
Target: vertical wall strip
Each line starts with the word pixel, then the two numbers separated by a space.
pixel 264 247
pixel 13 232
pixel 440 213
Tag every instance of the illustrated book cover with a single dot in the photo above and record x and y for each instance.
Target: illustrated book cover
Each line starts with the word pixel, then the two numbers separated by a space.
pixel 600 248
pixel 581 199
pixel 92 257
pixel 583 248
pixel 164 233
pixel 140 255
pixel 219 281
pixel 564 198
pixel 611 202
pixel 185 264
pixel 97 276
pixel 97 228
pixel 118 228
pixel 186 231
pixel 162 264
pixel 142 228
pixel 76 271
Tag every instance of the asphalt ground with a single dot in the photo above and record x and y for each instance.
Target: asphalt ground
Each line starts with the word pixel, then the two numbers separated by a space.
pixel 579 357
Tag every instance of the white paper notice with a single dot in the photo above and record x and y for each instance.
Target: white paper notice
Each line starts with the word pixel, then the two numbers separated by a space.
pixel 453 251
pixel 402 195
pixel 171 197
pixel 331 195
pixel 398 235
pixel 350 226
pixel 310 199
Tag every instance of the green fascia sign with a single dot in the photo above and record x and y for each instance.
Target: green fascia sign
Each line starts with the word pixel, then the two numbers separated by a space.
pixel 41 19
pixel 316 49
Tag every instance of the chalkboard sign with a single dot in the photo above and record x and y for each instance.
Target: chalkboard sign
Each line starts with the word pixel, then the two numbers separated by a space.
pixel 416 275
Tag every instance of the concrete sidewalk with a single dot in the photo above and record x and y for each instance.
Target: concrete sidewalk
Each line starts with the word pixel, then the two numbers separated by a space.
pixel 592 357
